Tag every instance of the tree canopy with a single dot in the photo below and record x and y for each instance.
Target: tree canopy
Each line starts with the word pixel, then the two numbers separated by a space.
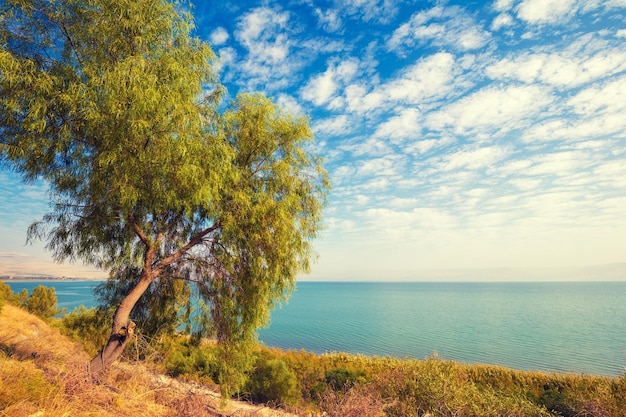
pixel 152 175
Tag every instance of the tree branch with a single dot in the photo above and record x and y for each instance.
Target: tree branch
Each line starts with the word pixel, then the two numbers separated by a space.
pixel 138 231
pixel 195 240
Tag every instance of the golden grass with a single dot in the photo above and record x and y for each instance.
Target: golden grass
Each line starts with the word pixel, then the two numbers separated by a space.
pixel 43 373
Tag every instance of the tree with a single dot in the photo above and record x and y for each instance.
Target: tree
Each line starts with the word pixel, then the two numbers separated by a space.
pixel 43 302
pixel 116 106
pixel 7 295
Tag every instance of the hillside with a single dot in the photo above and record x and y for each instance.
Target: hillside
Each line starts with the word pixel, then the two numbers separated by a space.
pixel 42 373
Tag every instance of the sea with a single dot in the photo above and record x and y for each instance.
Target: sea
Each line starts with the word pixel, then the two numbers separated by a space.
pixel 574 327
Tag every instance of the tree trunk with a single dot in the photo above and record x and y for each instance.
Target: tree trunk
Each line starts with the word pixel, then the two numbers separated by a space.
pixel 122 330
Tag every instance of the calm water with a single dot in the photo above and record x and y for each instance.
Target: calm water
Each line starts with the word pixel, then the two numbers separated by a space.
pixel 563 327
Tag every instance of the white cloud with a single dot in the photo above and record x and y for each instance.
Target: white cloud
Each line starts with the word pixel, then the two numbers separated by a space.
pixel 526 183
pixel 394 223
pixel 376 184
pixel 609 97
pixel 614 4
pixel 227 56
pixel 219 36
pixel 343 172
pixel 422 146
pixel 428 79
pixel 359 99
pixel 502 20
pixel 379 11
pixel 503 5
pixel 576 129
pixel 546 11
pixel 385 166
pixel 501 108
pixel 289 104
pixel 273 56
pixel 594 112
pixel 334 126
pixel 329 19
pixel 404 125
pixel 403 202
pixel 571 67
pixel 560 164
pixel 440 26
pixel 474 159
pixel 323 87
pixel 370 147
pixel 260 25
pixel 362 200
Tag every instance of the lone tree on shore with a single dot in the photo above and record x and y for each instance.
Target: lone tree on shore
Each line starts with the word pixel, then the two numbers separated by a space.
pixel 117 107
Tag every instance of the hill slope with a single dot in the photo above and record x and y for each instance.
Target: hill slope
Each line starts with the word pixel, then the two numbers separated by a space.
pixel 43 373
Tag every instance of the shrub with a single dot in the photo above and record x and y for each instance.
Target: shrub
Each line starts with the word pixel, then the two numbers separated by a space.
pixel 343 378
pixel 179 363
pixel 7 295
pixel 91 327
pixel 272 382
pixel 309 369
pixel 43 302
pixel 184 356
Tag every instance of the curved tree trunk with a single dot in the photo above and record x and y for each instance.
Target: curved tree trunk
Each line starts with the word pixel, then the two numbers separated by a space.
pixel 122 330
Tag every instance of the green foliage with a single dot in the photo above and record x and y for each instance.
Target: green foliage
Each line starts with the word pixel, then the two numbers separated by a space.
pixel 22 297
pixel 7 295
pixel 184 356
pixel 43 302
pixel 194 361
pixel 271 381
pixel 310 371
pixel 88 326
pixel 445 388
pixel 342 378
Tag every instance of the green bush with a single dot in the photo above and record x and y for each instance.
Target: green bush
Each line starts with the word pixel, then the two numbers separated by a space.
pixel 193 362
pixel 184 356
pixel 272 382
pixel 7 295
pixel 43 302
pixel 179 363
pixel 91 327
pixel 343 378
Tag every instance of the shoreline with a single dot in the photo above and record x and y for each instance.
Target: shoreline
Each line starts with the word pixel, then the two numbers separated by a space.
pixel 49 279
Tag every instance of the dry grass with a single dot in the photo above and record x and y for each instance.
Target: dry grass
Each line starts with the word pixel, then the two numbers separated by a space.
pixel 43 373
pixel 360 401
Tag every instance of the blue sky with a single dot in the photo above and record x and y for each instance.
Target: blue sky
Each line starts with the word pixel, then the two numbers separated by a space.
pixel 460 136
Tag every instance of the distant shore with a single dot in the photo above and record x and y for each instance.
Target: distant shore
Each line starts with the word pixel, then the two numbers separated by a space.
pixel 43 278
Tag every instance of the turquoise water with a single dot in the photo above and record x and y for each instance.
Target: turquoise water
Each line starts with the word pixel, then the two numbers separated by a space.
pixel 561 327
pixel 70 294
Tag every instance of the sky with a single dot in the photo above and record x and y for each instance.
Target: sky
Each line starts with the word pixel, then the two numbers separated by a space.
pixel 464 139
